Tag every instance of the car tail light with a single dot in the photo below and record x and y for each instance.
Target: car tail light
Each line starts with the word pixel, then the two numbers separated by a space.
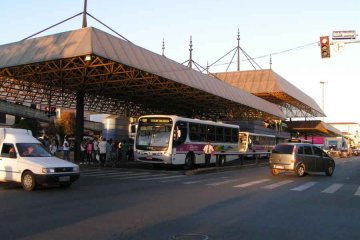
pixel 293 158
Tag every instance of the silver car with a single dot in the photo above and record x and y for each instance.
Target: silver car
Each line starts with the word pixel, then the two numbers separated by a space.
pixel 300 158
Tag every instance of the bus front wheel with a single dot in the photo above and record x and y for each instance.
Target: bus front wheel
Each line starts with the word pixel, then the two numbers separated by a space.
pixel 189 162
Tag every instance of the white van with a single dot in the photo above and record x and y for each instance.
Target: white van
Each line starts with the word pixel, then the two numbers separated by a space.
pixel 24 159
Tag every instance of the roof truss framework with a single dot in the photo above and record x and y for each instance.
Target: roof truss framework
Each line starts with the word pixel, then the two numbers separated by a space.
pixel 269 86
pixel 289 105
pixel 115 88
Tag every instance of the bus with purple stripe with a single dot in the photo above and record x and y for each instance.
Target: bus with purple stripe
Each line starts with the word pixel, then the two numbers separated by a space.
pixel 174 140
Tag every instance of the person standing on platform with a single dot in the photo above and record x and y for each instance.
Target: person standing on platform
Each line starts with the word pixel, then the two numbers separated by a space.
pixel 208 150
pixel 66 149
pixel 102 151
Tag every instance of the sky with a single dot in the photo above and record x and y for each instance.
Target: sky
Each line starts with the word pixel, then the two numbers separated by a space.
pixel 266 28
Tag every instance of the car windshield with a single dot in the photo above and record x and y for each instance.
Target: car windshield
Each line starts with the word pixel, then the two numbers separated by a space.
pixel 32 150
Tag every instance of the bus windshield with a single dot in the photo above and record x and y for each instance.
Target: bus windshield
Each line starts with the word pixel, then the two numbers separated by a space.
pixel 153 136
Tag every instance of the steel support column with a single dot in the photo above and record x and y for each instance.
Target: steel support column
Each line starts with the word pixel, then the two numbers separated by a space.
pixel 79 123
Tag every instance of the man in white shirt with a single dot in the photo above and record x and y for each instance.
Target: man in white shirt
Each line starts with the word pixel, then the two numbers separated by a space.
pixel 208 149
pixel 102 151
pixel 66 149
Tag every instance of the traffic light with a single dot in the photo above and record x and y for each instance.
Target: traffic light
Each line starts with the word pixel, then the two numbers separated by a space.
pixel 325 46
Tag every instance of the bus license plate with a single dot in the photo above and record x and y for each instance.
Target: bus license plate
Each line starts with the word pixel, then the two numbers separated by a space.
pixel 278 166
pixel 64 179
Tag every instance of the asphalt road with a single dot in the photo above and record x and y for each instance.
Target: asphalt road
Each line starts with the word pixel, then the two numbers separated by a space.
pixel 247 203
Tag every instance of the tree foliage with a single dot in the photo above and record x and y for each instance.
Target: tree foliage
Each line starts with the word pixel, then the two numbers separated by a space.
pixel 67 123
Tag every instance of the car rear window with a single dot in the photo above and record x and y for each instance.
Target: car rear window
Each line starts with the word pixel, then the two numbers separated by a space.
pixel 283 148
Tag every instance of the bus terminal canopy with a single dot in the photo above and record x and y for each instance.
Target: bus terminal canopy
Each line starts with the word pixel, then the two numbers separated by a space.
pixel 313 128
pixel 117 77
pixel 272 87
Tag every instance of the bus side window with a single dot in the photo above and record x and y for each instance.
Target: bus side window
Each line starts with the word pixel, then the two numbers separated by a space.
pixel 180 133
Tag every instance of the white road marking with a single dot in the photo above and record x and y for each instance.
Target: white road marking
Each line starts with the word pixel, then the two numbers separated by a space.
pixel 304 186
pixel 104 173
pixel 278 184
pixel 357 193
pixel 202 180
pixel 157 178
pixel 251 183
pixel 333 188
pixel 223 182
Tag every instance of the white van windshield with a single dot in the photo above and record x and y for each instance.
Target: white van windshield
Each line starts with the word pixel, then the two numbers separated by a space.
pixel 32 150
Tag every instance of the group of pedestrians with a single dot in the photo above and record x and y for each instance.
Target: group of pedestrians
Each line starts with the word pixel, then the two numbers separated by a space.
pixel 103 151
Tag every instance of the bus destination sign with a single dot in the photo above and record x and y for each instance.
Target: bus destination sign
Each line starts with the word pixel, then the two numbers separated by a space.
pixel 156 120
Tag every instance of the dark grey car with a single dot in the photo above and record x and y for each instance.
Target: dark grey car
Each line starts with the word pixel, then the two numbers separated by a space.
pixel 300 158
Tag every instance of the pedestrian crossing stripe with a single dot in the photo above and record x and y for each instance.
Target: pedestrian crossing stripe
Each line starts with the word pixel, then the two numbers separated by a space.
pixel 147 175
pixel 304 186
pixel 244 185
pixel 104 174
pixel 223 182
pixel 357 193
pixel 333 188
pixel 278 184
pixel 157 178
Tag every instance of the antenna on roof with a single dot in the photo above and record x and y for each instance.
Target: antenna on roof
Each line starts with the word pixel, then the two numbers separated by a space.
pixel 270 61
pixel 84 23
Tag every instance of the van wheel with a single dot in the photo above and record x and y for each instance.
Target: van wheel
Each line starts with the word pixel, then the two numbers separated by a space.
pixel 28 181
pixel 300 170
pixel 330 170
pixel 275 172
pixel 189 162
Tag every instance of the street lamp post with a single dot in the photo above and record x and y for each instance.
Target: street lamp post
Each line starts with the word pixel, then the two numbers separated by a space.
pixel 323 96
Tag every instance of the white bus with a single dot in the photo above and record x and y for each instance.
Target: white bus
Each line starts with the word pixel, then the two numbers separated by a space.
pixel 168 139
pixel 255 142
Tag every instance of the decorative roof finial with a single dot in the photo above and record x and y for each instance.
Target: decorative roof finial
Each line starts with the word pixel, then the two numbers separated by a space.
pixel 163 47
pixel 84 23
pixel 238 51
pixel 190 50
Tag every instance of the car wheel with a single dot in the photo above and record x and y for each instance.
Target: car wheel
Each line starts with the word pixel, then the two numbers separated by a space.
pixel 189 162
pixel 28 181
pixel 275 172
pixel 300 170
pixel 330 170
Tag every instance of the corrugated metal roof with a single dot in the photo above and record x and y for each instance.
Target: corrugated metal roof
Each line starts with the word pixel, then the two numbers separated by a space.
pixel 315 127
pixel 90 40
pixel 272 87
